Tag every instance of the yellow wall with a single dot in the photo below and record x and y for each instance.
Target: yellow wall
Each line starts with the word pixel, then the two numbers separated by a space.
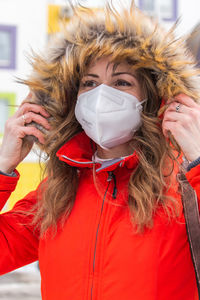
pixel 54 18
pixel 30 177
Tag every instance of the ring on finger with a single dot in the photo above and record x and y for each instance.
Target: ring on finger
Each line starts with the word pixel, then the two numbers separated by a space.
pixel 24 119
pixel 178 108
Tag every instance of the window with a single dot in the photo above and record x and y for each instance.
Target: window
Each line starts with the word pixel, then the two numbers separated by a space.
pixel 168 10
pixel 164 9
pixel 7 108
pixel 7 47
pixel 148 6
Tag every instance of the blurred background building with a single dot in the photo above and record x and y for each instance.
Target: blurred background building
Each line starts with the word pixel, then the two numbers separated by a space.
pixel 26 25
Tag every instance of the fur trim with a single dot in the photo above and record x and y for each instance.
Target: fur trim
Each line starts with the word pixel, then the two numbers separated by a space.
pixel 128 35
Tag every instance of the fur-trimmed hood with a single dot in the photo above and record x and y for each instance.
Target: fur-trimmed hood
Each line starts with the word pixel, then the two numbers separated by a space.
pixel 134 36
pixel 126 35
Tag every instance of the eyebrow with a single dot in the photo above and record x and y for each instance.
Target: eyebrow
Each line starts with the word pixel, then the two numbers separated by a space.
pixel 113 74
pixel 92 75
pixel 122 73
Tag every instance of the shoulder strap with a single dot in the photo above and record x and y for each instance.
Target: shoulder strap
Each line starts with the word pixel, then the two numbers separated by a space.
pixel 191 212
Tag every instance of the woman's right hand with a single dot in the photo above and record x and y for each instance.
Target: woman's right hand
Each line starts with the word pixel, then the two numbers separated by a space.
pixel 14 147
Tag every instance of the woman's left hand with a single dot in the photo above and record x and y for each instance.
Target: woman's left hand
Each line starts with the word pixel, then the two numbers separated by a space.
pixel 182 119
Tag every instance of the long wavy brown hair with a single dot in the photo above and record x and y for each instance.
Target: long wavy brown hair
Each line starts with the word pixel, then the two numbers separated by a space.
pixel 162 69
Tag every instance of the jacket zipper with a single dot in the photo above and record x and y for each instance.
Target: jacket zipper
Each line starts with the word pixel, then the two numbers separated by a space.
pixel 111 177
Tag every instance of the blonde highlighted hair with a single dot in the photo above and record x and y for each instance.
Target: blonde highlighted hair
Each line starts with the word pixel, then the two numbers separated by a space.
pixel 164 68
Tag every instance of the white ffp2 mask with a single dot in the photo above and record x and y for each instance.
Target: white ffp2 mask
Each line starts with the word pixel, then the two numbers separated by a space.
pixel 108 116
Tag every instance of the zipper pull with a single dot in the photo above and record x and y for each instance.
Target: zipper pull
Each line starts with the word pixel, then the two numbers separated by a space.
pixel 114 195
pixel 111 176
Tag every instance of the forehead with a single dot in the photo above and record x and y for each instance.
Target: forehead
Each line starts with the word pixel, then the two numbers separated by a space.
pixel 107 64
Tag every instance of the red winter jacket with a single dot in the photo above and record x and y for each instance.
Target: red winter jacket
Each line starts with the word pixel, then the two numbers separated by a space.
pixel 98 256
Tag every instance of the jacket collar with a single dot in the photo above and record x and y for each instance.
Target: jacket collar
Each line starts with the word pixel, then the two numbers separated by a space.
pixel 78 152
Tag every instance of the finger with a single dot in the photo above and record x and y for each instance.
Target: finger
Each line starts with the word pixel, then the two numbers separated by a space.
pixel 177 119
pixel 178 111
pixel 172 127
pixel 186 100
pixel 185 114
pixel 180 108
pixel 172 116
pixel 14 124
pixel 26 107
pixel 175 107
pixel 25 131
pixel 30 117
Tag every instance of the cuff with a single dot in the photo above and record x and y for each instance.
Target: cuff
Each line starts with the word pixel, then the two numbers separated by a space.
pixel 8 183
pixel 193 164
pixel 13 174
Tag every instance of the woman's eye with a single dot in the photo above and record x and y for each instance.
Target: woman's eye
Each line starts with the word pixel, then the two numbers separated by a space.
pixel 122 83
pixel 89 83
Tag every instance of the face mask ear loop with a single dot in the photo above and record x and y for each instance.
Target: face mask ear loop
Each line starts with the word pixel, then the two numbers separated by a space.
pixel 139 105
pixel 145 100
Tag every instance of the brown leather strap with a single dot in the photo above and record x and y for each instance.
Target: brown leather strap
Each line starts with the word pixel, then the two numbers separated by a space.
pixel 191 212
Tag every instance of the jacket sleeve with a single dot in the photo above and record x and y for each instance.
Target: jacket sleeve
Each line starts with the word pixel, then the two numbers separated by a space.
pixel 193 176
pixel 18 239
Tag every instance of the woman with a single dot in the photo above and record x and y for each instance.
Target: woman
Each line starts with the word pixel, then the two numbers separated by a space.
pixel 116 101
